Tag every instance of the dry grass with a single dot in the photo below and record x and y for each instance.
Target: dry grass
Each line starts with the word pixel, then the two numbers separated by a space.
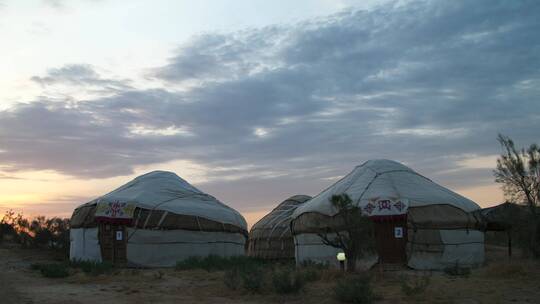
pixel 500 281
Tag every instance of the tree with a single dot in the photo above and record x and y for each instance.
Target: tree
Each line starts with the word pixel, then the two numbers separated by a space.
pixel 351 231
pixel 518 170
pixel 52 233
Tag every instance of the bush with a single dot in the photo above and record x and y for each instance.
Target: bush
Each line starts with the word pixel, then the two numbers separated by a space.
pixel 314 265
pixel 457 270
pixel 188 263
pixel 311 274
pixel 252 278
pixel 312 271
pixel 232 278
pixel 91 267
pixel 287 281
pixel 51 233
pixel 52 270
pixel 414 285
pixel 217 263
pixel 354 289
pixel 7 231
pixel 159 275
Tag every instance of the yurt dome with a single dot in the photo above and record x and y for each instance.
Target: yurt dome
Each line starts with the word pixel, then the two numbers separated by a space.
pixel 156 219
pixel 270 237
pixel 417 222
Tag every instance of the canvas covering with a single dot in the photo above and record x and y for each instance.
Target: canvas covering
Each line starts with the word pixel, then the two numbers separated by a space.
pixel 166 191
pixel 157 248
pixel 84 244
pixel 442 229
pixel 271 236
pixel 169 214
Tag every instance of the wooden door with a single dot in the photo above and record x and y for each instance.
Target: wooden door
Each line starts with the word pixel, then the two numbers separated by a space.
pixel 113 243
pixel 391 239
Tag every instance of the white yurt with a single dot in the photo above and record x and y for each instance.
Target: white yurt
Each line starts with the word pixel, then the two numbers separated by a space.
pixel 155 220
pixel 417 222
pixel 270 237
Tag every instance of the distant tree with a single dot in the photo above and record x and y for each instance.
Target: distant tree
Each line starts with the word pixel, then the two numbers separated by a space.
pixel 352 232
pixel 10 224
pixel 52 233
pixel 518 170
pixel 59 229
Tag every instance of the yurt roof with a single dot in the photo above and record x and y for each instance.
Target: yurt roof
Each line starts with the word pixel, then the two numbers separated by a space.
pixel 163 190
pixel 279 218
pixel 385 179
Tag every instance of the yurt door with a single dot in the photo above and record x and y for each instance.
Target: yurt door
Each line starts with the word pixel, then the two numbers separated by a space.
pixel 112 239
pixel 391 238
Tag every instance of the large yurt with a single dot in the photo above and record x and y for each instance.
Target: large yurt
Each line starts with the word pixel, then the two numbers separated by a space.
pixel 270 237
pixel 155 220
pixel 417 222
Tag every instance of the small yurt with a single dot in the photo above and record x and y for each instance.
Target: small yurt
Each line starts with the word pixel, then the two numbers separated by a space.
pixel 417 222
pixel 270 237
pixel 155 220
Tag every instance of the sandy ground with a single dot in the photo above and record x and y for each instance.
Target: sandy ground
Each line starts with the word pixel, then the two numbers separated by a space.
pixel 500 281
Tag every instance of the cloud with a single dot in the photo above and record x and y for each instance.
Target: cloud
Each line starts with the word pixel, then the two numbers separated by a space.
pixel 54 3
pixel 62 4
pixel 7 176
pixel 80 75
pixel 425 83
pixel 214 57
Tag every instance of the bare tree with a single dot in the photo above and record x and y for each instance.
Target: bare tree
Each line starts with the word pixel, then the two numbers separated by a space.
pixel 518 170
pixel 352 232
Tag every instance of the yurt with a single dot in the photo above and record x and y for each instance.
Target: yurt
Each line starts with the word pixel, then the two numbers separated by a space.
pixel 270 237
pixel 417 222
pixel 155 220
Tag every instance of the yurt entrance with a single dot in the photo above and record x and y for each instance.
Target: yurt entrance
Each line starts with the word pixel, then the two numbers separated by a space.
pixel 113 243
pixel 391 238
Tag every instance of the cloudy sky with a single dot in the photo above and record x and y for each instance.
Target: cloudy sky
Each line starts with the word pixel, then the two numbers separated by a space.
pixel 254 101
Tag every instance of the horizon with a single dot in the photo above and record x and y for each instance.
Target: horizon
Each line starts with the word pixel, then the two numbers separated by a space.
pixel 253 102
pixel 251 218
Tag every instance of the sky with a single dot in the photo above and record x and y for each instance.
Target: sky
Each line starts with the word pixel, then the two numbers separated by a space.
pixel 255 101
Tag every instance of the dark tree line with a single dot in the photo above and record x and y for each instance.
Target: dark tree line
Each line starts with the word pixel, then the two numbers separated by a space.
pixel 40 231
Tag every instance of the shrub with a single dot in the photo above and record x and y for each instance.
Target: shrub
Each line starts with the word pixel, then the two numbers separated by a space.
pixel 51 233
pixel 232 278
pixel 414 285
pixel 252 278
pixel 134 272
pixel 457 270
pixel 52 270
pixel 91 267
pixel 311 274
pixel 312 271
pixel 287 281
pixel 217 263
pixel 189 263
pixel 354 289
pixel 35 266
pixel 314 264
pixel 159 275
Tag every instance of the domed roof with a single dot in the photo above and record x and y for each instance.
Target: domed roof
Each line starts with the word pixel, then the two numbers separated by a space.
pixel 384 179
pixel 277 221
pixel 163 190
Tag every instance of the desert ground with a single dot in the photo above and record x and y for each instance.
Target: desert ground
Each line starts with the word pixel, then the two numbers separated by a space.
pixel 500 281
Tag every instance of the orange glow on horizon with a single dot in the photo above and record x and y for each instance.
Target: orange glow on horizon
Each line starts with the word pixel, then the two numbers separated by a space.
pixel 53 194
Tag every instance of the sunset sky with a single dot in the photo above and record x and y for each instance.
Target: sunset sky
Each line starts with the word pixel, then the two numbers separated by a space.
pixel 253 101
